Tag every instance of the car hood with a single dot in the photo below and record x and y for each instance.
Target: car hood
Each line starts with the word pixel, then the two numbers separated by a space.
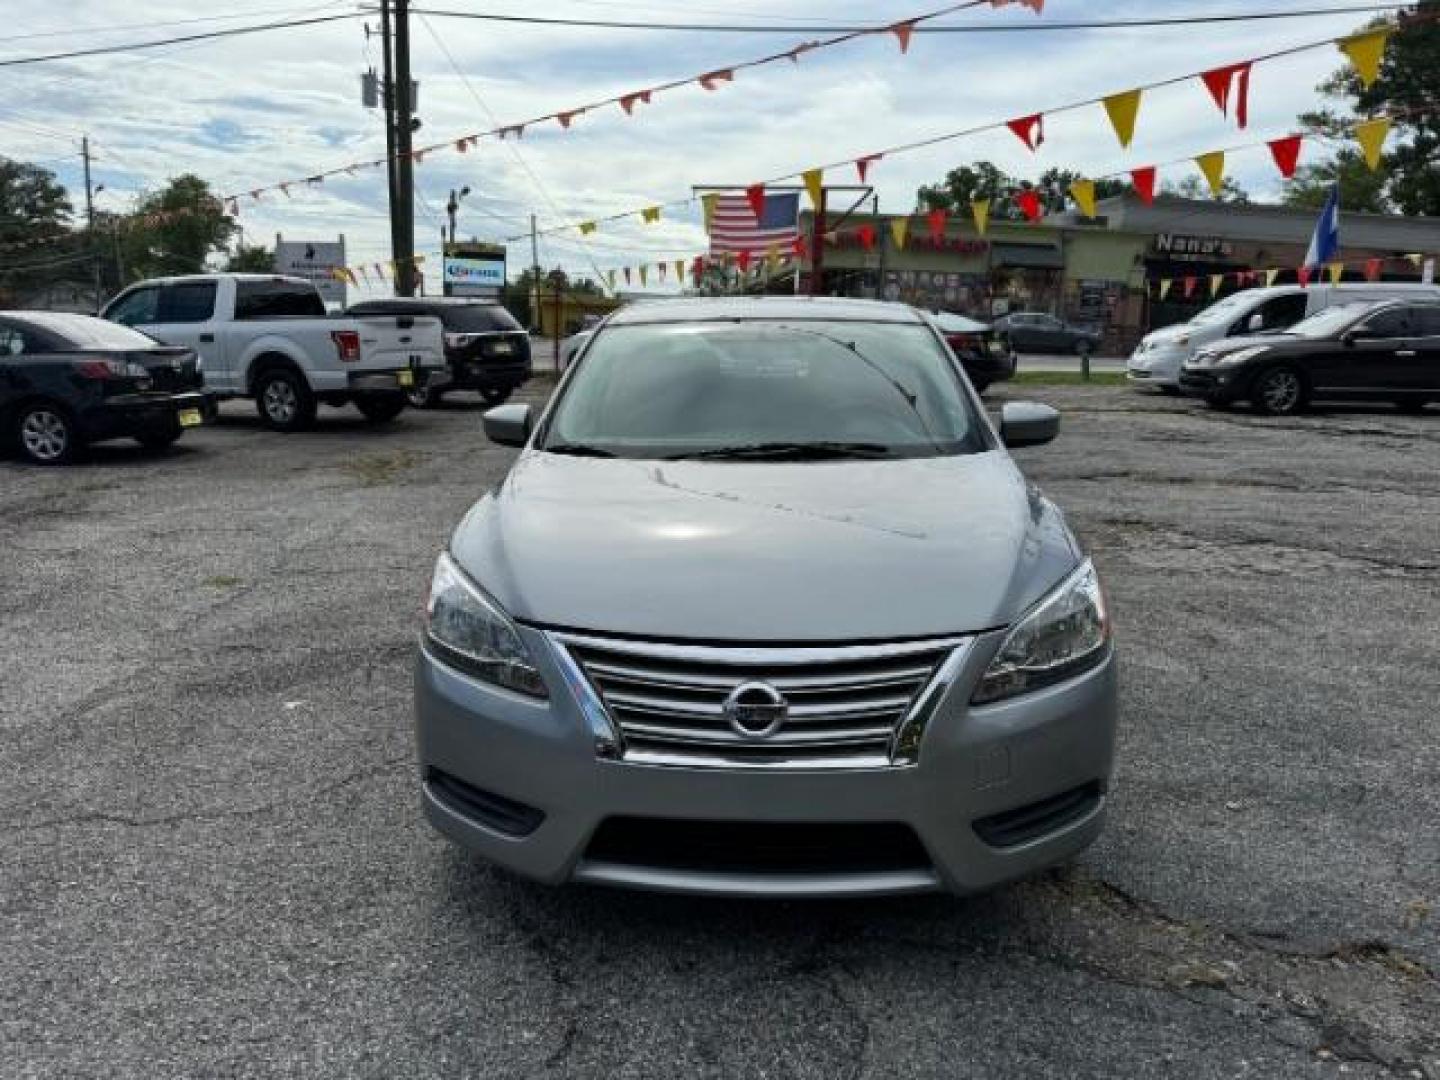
pixel 1235 344
pixel 1167 334
pixel 775 552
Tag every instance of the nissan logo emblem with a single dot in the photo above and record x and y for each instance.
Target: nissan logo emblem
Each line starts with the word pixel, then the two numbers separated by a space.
pixel 755 710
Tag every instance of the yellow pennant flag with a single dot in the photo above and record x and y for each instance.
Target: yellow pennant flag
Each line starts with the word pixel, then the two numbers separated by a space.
pixel 1083 192
pixel 1216 280
pixel 610 277
pixel 772 257
pixel 1366 51
pixel 1165 284
pixel 679 269
pixel 708 203
pixel 586 228
pixel 650 214
pixel 1416 258
pixel 815 185
pixel 1213 166
pixel 1122 110
pixel 899 228
pixel 643 268
pixel 1371 137
pixel 1270 276
pixel 1337 271
pixel 980 211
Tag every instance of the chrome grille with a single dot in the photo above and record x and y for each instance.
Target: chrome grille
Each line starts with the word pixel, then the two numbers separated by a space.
pixel 847 706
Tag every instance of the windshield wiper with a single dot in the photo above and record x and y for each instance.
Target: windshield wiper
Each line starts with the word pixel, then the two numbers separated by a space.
pixel 790 451
pixel 577 450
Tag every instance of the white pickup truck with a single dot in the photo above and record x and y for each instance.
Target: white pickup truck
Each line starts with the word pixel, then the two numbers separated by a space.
pixel 269 338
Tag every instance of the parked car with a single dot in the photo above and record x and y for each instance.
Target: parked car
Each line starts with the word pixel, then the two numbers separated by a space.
pixel 1386 351
pixel 70 380
pixel 269 338
pixel 1159 357
pixel 486 350
pixel 984 353
pixel 1034 331
pixel 764 606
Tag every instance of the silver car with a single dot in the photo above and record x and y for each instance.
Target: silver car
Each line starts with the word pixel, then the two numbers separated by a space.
pixel 764 607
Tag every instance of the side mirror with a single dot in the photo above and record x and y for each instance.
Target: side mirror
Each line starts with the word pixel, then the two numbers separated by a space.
pixel 1028 423
pixel 1354 334
pixel 508 425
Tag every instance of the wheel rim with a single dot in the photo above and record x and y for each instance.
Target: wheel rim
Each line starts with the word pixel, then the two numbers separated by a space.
pixel 44 435
pixel 1281 391
pixel 280 401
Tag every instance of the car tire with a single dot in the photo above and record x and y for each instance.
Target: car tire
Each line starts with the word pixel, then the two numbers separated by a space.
pixel 1411 405
pixel 161 438
pixel 45 434
pixel 283 400
pixel 1279 391
pixel 381 408
pixel 496 395
pixel 423 397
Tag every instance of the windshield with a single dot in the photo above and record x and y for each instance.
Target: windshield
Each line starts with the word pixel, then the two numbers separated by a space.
pixel 765 389
pixel 1225 309
pixel 1330 321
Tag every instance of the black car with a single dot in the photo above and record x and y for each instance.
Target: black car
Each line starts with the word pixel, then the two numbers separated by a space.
pixel 485 348
pixel 69 380
pixel 1386 351
pixel 1034 331
pixel 984 354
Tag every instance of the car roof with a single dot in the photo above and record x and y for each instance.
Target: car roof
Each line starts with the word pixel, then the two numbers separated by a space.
pixel 428 302
pixel 741 309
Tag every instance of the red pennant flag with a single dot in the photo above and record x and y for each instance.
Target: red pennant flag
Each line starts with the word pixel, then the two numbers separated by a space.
pixel 1029 203
pixel 755 194
pixel 710 80
pixel 662 270
pixel 867 237
pixel 1189 287
pixel 462 145
pixel 1220 82
pixel 628 101
pixel 862 165
pixel 936 218
pixel 743 261
pixel 1144 181
pixel 795 53
pixel 568 118
pixel 1286 153
pixel 1304 274
pixel 1372 269
pixel 1029 129
pixel 518 130
pixel 903 30
pixel 801 246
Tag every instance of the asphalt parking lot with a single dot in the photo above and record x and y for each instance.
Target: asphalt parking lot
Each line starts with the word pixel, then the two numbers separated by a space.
pixel 214 863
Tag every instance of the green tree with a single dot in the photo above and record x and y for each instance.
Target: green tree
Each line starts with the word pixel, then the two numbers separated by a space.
pixel 251 260
pixel 1361 188
pixel 967 183
pixel 1408 87
pixel 1197 187
pixel 37 245
pixel 174 230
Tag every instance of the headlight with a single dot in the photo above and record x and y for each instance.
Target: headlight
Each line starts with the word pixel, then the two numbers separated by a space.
pixel 1231 359
pixel 1063 635
pixel 467 630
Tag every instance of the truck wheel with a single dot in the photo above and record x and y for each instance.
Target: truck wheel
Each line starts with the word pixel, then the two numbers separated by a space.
pixel 283 400
pixel 45 435
pixel 496 395
pixel 380 408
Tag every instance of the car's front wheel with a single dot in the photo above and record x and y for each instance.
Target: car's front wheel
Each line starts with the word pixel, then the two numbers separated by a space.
pixel 1279 391
pixel 45 435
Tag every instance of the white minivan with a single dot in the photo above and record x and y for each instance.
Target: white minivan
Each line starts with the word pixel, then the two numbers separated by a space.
pixel 1156 361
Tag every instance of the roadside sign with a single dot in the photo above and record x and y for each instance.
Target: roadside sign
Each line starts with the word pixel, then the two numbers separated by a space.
pixel 316 261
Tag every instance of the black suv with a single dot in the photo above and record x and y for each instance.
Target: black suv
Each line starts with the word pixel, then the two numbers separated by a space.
pixel 485 348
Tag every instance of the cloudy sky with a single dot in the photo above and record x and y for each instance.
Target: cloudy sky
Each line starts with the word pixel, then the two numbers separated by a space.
pixel 249 111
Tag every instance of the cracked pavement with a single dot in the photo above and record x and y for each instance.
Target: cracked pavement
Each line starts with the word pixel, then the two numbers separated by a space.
pixel 214 862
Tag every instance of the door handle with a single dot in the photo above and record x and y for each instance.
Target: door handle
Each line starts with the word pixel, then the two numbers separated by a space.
pixel 207 337
pixel 1404 352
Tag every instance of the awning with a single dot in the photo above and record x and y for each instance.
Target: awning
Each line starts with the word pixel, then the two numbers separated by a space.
pixel 1048 256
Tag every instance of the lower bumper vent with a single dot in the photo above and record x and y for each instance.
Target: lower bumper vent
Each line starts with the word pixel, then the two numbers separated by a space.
pixel 1037 819
pixel 493 811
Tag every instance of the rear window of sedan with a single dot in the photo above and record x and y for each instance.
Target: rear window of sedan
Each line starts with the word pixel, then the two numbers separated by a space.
pixel 702 389
pixel 85 332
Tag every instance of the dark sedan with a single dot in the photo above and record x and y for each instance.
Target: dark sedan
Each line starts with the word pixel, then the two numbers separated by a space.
pixel 486 350
pixel 69 380
pixel 1387 351
pixel 1034 331
pixel 984 354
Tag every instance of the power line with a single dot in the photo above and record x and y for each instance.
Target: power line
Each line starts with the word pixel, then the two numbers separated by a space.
pixel 71 31
pixel 962 28
pixel 234 31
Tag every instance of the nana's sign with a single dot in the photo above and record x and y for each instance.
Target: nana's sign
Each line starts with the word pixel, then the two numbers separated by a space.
pixel 1178 246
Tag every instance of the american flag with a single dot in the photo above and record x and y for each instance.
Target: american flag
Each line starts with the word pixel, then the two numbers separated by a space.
pixel 734 227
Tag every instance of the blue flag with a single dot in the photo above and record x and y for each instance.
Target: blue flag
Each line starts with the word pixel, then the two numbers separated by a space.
pixel 1325 244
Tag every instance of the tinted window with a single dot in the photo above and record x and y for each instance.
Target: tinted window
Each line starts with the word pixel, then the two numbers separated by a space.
pixel 1329 321
pixel 1429 321
pixel 135 308
pixel 12 342
pixel 673 390
pixel 83 332
pixel 1280 312
pixel 1392 323
pixel 191 302
pixel 476 318
pixel 277 300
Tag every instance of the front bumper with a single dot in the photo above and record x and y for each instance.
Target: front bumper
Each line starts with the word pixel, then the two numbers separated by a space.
pixel 1156 367
pixel 974 764
pixel 1215 384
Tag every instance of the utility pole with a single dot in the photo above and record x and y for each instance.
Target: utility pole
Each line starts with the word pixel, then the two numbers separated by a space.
pixel 387 101
pixel 534 274
pixel 90 218
pixel 404 167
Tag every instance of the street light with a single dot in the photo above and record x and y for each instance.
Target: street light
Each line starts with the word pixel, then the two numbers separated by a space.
pixel 454 205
